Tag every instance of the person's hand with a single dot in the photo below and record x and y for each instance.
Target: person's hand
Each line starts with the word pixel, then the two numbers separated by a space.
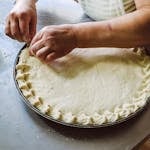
pixel 21 22
pixel 53 42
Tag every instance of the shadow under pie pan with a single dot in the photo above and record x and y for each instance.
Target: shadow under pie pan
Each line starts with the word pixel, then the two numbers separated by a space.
pixel 133 115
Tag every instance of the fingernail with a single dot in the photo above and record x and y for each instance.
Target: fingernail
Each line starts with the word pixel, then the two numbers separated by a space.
pixel 30 52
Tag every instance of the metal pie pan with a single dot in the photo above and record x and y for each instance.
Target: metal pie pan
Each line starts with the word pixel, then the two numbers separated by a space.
pixel 62 122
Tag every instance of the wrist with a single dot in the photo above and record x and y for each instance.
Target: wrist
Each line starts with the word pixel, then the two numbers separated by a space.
pixel 82 34
pixel 75 29
pixel 93 34
pixel 30 3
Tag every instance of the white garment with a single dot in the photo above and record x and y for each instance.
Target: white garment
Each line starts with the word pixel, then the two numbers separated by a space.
pixel 107 9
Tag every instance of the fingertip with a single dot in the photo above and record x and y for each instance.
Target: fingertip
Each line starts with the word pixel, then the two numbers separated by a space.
pixel 7 29
pixel 32 41
pixel 29 38
pixel 30 53
pixel 26 38
pixel 7 32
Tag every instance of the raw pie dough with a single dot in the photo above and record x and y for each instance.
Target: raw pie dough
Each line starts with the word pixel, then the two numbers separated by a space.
pixel 88 86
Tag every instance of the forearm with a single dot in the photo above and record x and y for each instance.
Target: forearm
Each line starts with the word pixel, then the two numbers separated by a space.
pixel 130 30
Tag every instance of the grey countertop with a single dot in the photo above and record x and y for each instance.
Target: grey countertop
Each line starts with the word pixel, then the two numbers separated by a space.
pixel 21 128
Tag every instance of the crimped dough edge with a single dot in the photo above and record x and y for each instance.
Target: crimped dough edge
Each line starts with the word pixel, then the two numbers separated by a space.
pixel 22 73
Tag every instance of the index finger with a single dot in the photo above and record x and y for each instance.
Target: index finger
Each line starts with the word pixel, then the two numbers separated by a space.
pixel 36 38
pixel 35 41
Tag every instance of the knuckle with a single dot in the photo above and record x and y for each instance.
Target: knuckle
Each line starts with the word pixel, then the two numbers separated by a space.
pixel 12 15
pixel 22 15
pixel 47 40
pixel 45 28
pixel 14 33
pixel 38 54
pixel 51 40
pixel 23 32
pixel 7 32
pixel 13 25
pixel 53 32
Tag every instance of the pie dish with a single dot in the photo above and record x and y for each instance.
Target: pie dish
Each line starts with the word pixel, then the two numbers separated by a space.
pixel 93 86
